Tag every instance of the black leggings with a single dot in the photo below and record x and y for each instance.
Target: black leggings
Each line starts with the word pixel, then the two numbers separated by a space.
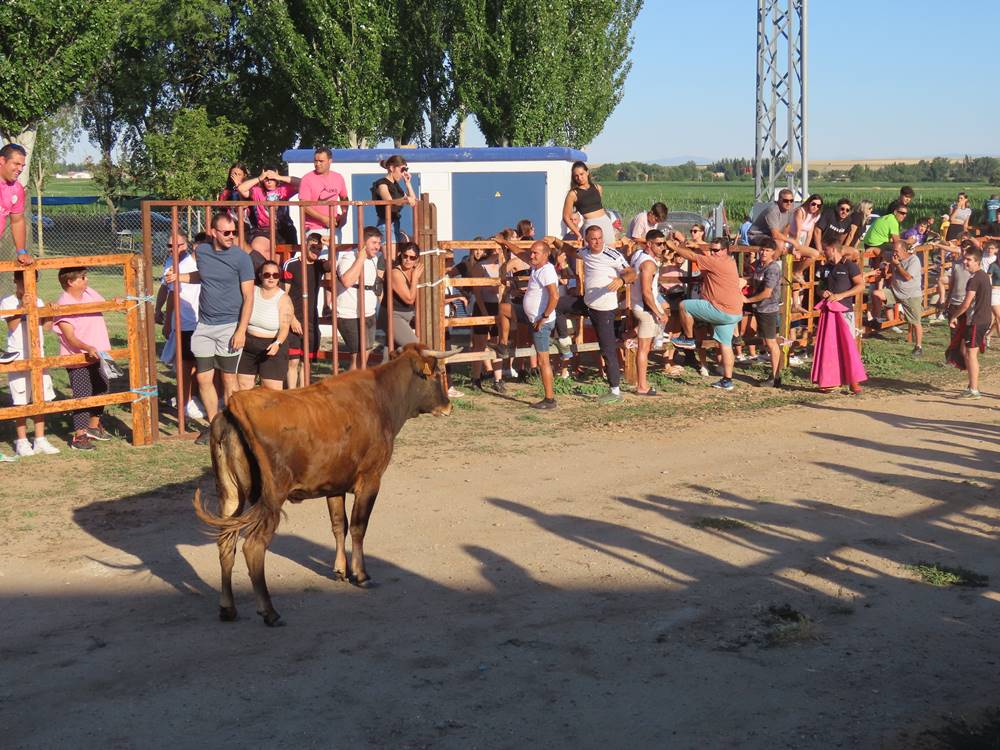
pixel 567 305
pixel 85 382
pixel 604 323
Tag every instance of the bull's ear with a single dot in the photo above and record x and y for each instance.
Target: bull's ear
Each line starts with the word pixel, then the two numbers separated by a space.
pixel 421 367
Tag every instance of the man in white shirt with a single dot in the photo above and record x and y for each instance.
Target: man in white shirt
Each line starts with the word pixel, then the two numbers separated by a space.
pixel 540 299
pixel 189 294
pixel 605 271
pixel 354 267
pixel 643 221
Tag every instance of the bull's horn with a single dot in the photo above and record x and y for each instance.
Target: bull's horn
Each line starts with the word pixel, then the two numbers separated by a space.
pixel 442 355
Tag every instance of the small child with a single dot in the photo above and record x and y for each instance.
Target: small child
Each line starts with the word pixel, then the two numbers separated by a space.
pixel 88 334
pixel 20 382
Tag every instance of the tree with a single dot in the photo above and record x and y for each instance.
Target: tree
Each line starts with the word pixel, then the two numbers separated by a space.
pixel 48 49
pixel 54 136
pixel 190 162
pixel 542 71
pixel 330 54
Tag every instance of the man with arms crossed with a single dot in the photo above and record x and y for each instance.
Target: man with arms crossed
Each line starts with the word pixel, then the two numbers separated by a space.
pixel 323 184
pixel 226 276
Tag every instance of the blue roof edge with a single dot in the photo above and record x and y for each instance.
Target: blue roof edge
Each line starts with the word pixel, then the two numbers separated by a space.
pixel 374 155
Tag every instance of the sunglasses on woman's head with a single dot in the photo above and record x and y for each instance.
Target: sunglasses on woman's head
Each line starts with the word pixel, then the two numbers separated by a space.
pixel 270 275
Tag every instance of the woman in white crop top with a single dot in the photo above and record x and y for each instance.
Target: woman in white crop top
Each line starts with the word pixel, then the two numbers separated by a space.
pixel 265 353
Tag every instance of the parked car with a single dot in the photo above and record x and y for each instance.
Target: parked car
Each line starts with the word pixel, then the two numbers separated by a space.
pixel 131 221
pixel 47 223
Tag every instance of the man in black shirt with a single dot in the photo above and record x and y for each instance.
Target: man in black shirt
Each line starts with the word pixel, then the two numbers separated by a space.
pixel 844 279
pixel 835 223
pixel 292 278
pixel 978 316
pixel 905 198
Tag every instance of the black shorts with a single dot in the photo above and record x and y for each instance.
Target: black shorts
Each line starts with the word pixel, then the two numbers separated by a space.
pixel 492 308
pixel 350 330
pixel 294 343
pixel 767 324
pixel 954 230
pixel 255 361
pixel 186 354
pixel 975 336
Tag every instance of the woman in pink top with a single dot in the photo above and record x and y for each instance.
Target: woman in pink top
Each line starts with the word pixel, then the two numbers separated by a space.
pixel 83 334
pixel 271 186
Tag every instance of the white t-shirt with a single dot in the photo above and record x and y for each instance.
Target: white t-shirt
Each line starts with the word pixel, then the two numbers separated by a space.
pixel 347 297
pixel 599 270
pixel 189 292
pixel 536 296
pixel 639 225
pixel 640 257
pixel 18 340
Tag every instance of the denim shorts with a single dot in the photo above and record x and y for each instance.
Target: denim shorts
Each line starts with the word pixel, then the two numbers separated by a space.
pixel 543 337
pixel 723 324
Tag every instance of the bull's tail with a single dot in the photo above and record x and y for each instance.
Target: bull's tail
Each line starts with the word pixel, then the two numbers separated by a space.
pixel 229 528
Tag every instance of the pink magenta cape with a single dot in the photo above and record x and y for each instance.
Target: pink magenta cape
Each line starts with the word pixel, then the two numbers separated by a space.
pixel 836 359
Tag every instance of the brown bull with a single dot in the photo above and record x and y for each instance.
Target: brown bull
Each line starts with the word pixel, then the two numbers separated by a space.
pixel 331 438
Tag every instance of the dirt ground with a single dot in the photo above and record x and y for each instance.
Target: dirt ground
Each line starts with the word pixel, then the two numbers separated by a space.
pixel 740 581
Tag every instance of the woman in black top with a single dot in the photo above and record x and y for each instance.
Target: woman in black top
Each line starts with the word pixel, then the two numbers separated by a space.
pixel 586 198
pixel 391 188
pixel 406 274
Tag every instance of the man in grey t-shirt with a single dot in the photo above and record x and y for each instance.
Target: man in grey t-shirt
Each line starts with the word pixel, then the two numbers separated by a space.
pixel 773 221
pixel 906 274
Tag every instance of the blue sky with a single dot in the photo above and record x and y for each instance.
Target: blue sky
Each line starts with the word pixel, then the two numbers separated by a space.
pixel 886 79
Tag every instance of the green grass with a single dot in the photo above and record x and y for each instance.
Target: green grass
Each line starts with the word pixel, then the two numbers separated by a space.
pixel 70 188
pixel 721 523
pixel 932 199
pixel 937 574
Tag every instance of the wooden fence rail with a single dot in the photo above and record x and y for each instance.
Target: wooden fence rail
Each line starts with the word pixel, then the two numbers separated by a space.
pixel 141 389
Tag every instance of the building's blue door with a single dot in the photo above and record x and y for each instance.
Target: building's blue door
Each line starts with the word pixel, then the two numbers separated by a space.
pixel 483 203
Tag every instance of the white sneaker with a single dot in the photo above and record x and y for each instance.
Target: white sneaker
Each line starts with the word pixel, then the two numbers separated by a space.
pixel 194 409
pixel 5 459
pixel 703 371
pixel 511 373
pixel 795 359
pixel 23 448
pixel 658 342
pixel 453 392
pixel 42 445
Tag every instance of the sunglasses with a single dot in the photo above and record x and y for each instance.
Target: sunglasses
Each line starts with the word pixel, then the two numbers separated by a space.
pixel 176 244
pixel 226 232
pixel 815 203
pixel 697 229
pixel 844 209
pixel 660 243
pixel 406 169
pixel 270 275
pixel 410 257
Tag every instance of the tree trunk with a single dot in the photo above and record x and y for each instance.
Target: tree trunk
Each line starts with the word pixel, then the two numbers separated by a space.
pixel 27 139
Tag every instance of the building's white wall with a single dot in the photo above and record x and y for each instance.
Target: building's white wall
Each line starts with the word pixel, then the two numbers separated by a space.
pixel 435 180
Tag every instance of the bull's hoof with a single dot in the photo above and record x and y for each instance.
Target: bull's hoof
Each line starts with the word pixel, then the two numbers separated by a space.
pixel 364 583
pixel 272 619
pixel 340 576
pixel 227 614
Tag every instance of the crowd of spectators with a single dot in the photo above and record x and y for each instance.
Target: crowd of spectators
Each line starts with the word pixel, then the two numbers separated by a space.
pixel 245 317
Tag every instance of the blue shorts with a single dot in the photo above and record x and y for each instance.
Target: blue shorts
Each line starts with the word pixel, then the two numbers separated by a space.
pixel 543 337
pixel 723 324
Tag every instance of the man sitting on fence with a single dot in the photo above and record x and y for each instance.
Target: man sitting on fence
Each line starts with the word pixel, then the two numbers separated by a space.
pixel 721 303
pixel 774 220
pixel 643 221
pixel 905 289
pixel 226 276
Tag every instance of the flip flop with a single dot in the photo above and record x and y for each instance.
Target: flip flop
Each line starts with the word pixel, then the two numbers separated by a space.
pixel 650 392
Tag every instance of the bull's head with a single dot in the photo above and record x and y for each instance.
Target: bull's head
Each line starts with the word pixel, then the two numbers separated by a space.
pixel 427 389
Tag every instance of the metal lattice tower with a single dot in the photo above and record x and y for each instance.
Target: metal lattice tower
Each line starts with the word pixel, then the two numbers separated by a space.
pixel 781 156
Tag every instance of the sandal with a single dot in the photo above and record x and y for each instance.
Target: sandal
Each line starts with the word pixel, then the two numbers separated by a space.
pixel 650 392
